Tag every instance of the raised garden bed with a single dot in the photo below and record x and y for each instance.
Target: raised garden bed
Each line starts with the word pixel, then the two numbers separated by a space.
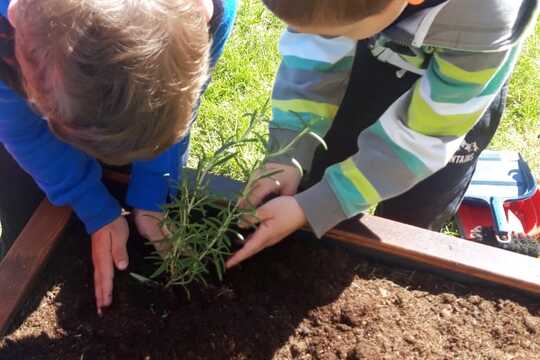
pixel 26 257
pixel 305 299
pixel 19 197
pixel 298 300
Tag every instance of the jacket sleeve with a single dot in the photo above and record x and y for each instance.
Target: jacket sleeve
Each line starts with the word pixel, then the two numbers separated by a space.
pixel 66 175
pixel 309 88
pixel 152 181
pixel 413 139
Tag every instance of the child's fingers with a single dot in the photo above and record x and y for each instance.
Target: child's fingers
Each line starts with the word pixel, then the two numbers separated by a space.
pixel 120 254
pixel 278 218
pixel 96 260
pixel 98 290
pixel 257 242
pixel 107 276
pixel 263 188
pixel 261 214
pixel 103 271
pixel 256 197
pixel 108 289
pixel 246 221
pixel 252 246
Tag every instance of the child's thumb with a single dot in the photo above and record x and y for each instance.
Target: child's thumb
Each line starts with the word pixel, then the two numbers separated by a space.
pixel 120 255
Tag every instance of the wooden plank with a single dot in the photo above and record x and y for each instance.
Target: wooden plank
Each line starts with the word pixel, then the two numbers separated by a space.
pixel 26 257
pixel 424 247
pixel 440 251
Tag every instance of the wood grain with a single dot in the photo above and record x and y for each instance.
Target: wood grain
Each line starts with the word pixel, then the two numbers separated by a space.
pixel 441 251
pixel 26 257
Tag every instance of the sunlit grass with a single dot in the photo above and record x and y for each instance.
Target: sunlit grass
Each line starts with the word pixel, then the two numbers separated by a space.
pixel 243 81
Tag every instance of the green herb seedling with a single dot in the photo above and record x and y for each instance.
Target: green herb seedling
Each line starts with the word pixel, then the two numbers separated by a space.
pixel 201 223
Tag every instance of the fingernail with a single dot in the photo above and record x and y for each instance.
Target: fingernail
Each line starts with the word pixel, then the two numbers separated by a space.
pixel 99 312
pixel 122 265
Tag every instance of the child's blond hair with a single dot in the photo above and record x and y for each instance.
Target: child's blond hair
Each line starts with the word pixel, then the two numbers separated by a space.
pixel 118 79
pixel 324 12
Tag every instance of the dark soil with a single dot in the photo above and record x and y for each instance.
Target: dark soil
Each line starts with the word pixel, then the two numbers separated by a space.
pixel 304 299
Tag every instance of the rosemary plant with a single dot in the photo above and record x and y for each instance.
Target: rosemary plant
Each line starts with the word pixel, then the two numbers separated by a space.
pixel 201 224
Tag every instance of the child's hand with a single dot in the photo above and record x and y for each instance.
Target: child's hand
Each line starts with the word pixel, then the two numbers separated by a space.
pixel 149 226
pixel 108 250
pixel 284 183
pixel 278 219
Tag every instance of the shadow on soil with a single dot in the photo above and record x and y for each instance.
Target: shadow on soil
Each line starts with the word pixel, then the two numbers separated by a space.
pixel 250 316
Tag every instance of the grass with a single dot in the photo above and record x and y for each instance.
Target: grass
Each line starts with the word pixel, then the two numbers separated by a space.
pixel 520 129
pixel 243 82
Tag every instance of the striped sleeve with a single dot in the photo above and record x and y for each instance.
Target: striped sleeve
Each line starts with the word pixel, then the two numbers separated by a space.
pixel 413 139
pixel 309 88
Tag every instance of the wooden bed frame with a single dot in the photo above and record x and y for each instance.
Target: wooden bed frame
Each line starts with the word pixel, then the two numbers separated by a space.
pixel 445 254
pixel 26 257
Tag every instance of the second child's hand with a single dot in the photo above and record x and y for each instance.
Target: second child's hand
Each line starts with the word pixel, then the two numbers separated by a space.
pixel 276 219
pixel 284 182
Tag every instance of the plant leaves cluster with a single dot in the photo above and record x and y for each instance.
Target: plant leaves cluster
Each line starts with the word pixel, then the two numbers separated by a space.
pixel 201 224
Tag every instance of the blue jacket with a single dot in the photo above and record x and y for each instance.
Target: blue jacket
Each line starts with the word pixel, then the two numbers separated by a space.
pixel 70 177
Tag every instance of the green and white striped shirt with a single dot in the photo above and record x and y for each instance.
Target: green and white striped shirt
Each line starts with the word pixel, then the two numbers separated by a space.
pixel 413 139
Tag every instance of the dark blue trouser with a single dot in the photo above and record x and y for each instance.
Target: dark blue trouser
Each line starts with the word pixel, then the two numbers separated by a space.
pixel 374 86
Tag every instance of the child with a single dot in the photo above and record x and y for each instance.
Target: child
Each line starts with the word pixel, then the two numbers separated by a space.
pixel 407 93
pixel 114 80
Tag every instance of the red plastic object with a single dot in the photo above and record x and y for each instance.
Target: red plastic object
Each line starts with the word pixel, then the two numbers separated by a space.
pixel 471 216
pixel 528 211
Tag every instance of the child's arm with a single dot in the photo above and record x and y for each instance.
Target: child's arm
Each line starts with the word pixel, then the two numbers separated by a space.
pixel 153 180
pixel 66 175
pixel 414 138
pixel 309 88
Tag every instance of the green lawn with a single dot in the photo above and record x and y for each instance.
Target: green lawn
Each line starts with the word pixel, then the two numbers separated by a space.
pixel 243 82
pixel 520 130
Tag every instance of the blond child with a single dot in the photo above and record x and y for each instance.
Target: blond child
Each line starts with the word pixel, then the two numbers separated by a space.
pixel 112 80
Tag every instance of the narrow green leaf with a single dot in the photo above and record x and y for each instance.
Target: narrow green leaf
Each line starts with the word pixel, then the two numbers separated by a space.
pixel 143 279
pixel 298 166
pixel 269 174
pixel 319 139
pixel 160 270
